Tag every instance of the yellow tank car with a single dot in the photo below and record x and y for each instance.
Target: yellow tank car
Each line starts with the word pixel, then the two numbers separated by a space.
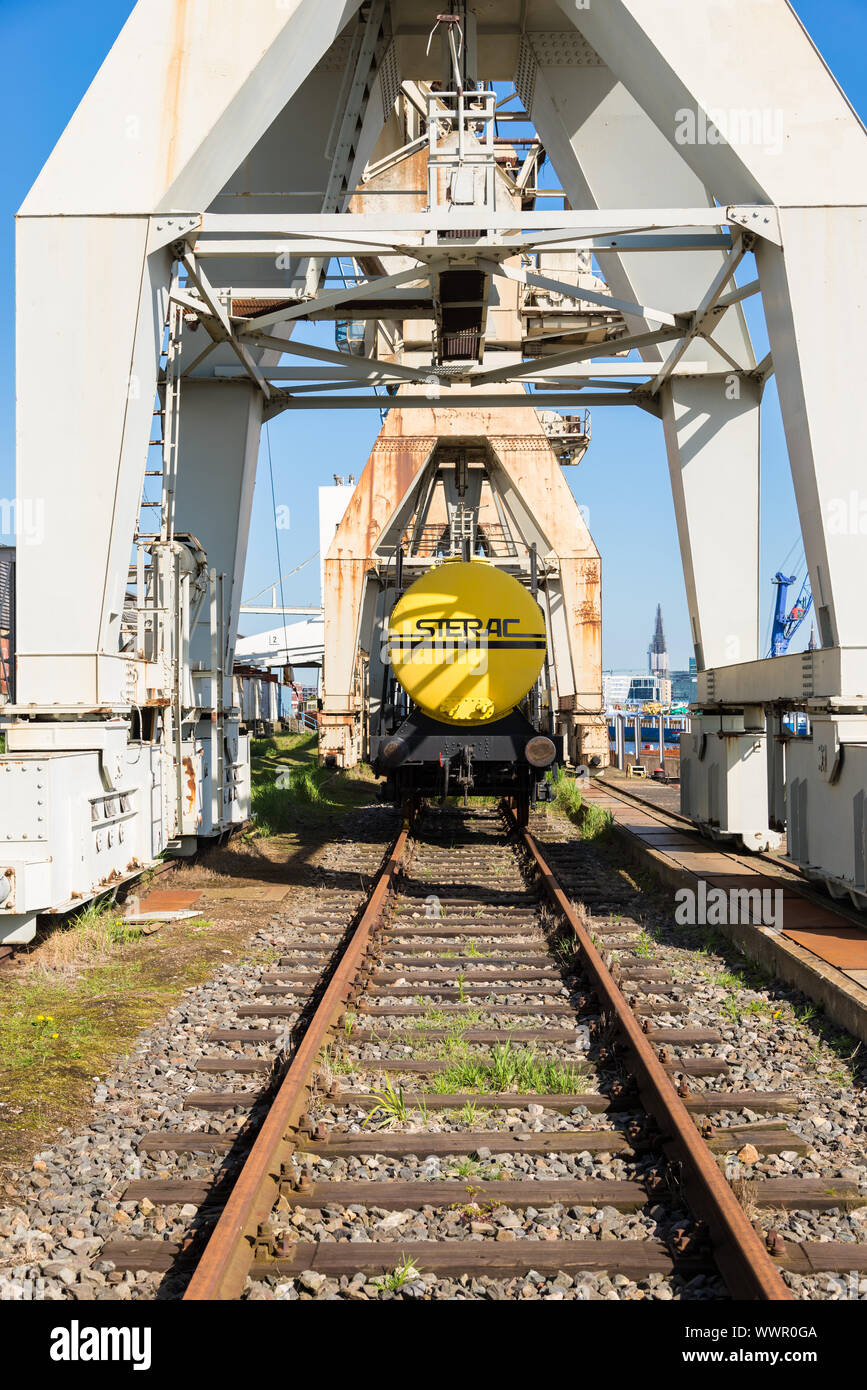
pixel 466 642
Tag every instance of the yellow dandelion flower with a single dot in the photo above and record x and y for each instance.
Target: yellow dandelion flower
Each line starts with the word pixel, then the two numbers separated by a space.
pixel 40 1018
pixel 55 1035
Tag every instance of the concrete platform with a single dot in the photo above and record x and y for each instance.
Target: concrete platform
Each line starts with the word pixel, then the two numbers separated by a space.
pixel 817 948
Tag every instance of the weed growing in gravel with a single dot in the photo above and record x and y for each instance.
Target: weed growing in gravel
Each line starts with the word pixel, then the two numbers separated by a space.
pixel 644 945
pixel 404 1273
pixel 438 1018
pixel 761 1007
pixel 510 1069
pixel 335 1060
pixel 567 793
pixel 90 938
pixel 468 1167
pixel 390 1106
pixel 596 822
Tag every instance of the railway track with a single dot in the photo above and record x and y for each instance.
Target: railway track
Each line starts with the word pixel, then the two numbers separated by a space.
pixel 481 1082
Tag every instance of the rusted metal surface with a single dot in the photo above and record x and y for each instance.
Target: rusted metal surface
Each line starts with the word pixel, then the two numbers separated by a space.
pixel 739 1252
pixel 169 900
pixel 522 450
pixel 223 1268
pixel 395 460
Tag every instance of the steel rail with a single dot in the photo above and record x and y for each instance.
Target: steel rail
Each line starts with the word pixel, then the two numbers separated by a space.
pixel 222 1270
pixel 740 1255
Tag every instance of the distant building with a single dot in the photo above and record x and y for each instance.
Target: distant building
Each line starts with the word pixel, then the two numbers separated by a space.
pixel 684 685
pixel 634 688
pixel 649 689
pixel 657 685
pixel 657 652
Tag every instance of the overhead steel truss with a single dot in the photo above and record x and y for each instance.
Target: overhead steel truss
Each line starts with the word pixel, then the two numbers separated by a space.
pixel 733 230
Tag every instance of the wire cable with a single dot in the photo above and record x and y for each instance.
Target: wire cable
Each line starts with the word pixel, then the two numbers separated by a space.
pixel 277 537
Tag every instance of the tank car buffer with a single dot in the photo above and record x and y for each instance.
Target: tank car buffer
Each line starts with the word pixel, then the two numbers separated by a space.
pixel 467 644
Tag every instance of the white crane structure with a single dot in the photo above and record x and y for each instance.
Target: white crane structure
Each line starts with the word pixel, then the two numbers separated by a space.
pixel 185 224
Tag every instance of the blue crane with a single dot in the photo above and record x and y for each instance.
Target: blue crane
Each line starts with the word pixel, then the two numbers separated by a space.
pixel 786 624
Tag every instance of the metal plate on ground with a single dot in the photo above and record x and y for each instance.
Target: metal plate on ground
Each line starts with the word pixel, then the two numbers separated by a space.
pixel 802 915
pixel 169 900
pixel 845 947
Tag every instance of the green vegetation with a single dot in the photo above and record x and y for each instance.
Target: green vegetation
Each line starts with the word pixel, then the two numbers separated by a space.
pixel 390 1106
pixel 334 1060
pixel 405 1273
pixel 644 945
pixel 510 1069
pixel 593 821
pixel 72 1007
pixel 568 794
pixel 291 792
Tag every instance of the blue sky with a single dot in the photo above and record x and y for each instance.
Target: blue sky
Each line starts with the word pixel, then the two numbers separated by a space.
pixel 54 48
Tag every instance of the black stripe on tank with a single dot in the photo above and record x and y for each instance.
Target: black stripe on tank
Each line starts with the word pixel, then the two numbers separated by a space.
pixel 459 644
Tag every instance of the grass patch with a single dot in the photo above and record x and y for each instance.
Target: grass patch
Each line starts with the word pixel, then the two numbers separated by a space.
pixel 72 1007
pixel 390 1107
pixel 89 939
pixel 592 820
pixel 644 945
pixel 404 1273
pixel 290 792
pixel 510 1069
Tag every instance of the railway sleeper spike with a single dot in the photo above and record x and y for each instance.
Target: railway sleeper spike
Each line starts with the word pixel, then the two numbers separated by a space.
pixel 689 1240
